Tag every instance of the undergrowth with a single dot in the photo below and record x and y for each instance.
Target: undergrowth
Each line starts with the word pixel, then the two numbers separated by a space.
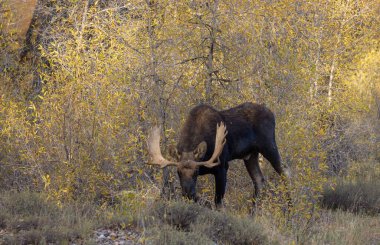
pixel 29 218
pixel 340 227
pixel 189 223
pixel 360 197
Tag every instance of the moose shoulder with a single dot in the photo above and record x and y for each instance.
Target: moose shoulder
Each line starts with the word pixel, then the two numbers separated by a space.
pixel 205 147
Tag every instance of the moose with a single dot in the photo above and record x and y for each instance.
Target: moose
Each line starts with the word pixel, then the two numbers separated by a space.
pixel 241 132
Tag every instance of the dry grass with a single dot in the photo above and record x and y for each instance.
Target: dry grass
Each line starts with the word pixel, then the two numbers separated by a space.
pixel 186 223
pixel 346 228
pixel 28 218
pixel 169 236
pixel 361 197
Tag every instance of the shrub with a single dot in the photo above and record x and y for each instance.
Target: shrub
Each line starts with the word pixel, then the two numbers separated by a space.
pixel 189 220
pixel 178 214
pixel 342 227
pixel 226 228
pixel 3 218
pixel 355 197
pixel 126 210
pixel 168 236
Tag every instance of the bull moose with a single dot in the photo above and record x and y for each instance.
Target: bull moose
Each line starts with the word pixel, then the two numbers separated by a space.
pixel 241 132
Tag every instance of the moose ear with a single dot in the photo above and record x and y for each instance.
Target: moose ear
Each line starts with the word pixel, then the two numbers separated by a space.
pixel 173 152
pixel 200 151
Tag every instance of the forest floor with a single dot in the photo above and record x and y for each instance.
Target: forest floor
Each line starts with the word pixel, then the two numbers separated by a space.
pixel 27 218
pixel 127 236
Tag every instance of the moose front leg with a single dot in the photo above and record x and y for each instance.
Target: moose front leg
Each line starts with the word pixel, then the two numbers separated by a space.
pixel 220 186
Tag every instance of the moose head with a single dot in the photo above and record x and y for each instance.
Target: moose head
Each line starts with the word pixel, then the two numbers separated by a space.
pixel 187 168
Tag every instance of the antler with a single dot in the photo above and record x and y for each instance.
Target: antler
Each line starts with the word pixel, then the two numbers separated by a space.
pixel 153 143
pixel 220 140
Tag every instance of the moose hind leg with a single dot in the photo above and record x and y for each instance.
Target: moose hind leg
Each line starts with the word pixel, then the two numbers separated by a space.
pixel 270 152
pixel 273 156
pixel 254 171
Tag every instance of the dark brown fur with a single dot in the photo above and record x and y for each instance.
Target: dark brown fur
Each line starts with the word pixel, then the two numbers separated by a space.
pixel 251 130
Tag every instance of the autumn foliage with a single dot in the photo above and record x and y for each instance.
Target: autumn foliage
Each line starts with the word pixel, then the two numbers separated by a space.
pixel 78 96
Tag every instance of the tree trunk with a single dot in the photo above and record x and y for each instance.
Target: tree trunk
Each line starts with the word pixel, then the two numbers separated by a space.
pixel 210 55
pixel 314 87
pixel 83 25
pixel 331 77
pixel 22 16
pixel 167 190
